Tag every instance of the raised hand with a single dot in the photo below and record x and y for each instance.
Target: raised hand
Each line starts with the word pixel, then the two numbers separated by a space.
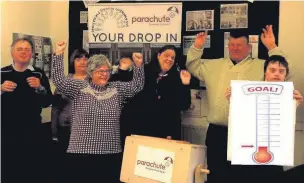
pixel 200 40
pixel 60 47
pixel 268 38
pixel 125 64
pixel 185 77
pixel 33 82
pixel 8 86
pixel 138 59
pixel 298 97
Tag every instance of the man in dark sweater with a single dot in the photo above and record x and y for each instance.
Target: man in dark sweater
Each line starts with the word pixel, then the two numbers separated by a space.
pixel 25 90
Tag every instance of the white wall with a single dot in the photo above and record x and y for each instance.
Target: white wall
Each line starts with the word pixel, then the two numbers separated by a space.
pixel 47 18
pixel 291 39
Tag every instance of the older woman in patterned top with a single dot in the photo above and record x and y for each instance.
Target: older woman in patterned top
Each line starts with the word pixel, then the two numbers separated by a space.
pixel 94 147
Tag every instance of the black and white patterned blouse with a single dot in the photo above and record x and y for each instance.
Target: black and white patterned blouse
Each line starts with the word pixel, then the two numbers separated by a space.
pixel 95 109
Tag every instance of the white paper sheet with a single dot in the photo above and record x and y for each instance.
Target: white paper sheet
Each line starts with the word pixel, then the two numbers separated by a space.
pixel 261 124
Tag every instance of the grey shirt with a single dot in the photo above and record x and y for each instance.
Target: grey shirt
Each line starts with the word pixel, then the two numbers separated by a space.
pixel 61 111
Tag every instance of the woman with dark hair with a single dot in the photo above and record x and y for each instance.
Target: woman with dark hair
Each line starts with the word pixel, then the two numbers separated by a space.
pixel 61 109
pixel 156 110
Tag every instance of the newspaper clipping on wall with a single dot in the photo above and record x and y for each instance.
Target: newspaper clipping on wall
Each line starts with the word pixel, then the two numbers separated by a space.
pixel 188 41
pixel 226 41
pixel 234 16
pixel 85 40
pixel 83 17
pixel 200 20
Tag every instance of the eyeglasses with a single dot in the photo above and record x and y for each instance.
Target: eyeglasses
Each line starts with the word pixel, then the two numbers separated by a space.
pixel 100 72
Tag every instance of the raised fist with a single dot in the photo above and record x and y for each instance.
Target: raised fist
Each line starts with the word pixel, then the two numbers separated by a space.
pixel 138 59
pixel 60 47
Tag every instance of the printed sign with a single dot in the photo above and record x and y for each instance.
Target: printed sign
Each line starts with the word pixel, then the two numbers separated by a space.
pixel 155 164
pixel 135 22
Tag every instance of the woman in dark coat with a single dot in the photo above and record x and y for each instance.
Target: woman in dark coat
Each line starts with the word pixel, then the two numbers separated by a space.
pixel 156 110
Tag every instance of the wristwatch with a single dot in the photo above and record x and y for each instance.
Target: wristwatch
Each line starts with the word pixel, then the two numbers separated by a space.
pixel 40 89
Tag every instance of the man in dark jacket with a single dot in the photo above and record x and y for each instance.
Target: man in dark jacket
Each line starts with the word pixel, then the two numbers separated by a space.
pixel 25 90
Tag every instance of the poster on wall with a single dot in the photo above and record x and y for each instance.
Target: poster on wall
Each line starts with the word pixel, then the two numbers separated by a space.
pixel 234 16
pixel 83 17
pixel 42 51
pixel 85 40
pixel 188 41
pixel 226 41
pixel 254 41
pixel 199 20
pixel 135 23
pixel 132 31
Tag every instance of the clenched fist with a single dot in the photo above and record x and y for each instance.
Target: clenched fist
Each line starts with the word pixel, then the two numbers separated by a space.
pixel 138 59
pixel 8 86
pixel 60 47
pixel 33 82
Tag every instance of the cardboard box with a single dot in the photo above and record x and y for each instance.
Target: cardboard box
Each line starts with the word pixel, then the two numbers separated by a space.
pixel 155 160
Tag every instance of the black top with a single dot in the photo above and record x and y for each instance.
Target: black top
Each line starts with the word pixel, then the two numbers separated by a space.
pixel 156 110
pixel 122 75
pixel 20 111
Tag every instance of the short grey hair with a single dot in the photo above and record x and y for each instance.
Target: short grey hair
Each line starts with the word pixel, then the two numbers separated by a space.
pixel 95 62
pixel 22 40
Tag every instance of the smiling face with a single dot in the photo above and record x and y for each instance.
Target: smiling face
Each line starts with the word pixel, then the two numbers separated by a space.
pixel 239 48
pixel 101 75
pixel 166 59
pixel 275 72
pixel 21 52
